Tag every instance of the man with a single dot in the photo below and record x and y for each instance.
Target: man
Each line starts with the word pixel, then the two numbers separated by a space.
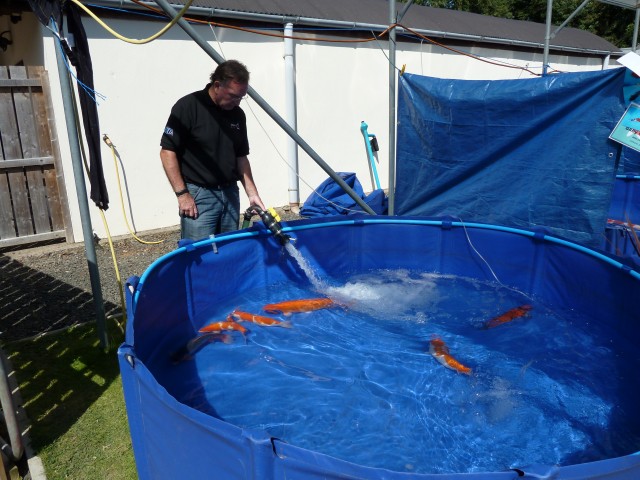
pixel 204 152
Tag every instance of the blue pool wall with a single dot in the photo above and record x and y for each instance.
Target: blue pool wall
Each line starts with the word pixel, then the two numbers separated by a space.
pixel 172 440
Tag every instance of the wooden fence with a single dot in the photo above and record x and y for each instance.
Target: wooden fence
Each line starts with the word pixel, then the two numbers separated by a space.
pixel 33 203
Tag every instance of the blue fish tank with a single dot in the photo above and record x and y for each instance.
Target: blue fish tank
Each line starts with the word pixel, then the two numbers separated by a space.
pixel 362 388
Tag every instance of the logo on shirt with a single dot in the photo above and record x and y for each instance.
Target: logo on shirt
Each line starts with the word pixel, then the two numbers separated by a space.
pixel 168 131
pixel 235 125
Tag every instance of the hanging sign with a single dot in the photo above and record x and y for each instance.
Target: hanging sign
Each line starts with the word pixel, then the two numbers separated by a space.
pixel 627 131
pixel 632 61
pixel 631 88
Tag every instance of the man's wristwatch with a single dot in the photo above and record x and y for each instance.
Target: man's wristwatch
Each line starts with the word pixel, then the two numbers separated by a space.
pixel 182 192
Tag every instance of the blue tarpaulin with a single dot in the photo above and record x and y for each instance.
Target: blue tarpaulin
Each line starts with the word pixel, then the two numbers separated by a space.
pixel 329 198
pixel 519 153
pixel 625 202
pixel 629 161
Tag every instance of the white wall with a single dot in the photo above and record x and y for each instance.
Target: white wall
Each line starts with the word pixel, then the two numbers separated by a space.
pixel 26 46
pixel 338 86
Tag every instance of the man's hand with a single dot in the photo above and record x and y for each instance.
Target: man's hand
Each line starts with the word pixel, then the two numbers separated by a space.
pixel 187 206
pixel 257 201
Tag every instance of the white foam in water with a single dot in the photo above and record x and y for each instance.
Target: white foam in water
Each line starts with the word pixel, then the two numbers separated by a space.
pixel 387 293
pixel 380 294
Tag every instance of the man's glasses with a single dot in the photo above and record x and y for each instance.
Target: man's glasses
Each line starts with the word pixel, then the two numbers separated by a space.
pixel 233 96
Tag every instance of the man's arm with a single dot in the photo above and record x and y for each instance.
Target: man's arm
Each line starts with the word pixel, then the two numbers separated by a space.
pixel 246 178
pixel 186 204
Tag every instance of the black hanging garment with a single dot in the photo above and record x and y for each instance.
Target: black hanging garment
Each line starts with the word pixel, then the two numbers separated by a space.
pixel 80 58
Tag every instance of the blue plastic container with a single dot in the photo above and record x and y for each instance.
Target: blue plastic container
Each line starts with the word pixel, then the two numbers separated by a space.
pixel 173 440
pixel 624 213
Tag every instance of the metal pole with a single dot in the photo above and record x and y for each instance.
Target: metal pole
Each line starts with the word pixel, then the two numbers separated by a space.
pixel 392 107
pixel 404 10
pixel 634 41
pixel 9 413
pixel 547 37
pixel 267 108
pixel 83 203
pixel 569 18
pixel 394 17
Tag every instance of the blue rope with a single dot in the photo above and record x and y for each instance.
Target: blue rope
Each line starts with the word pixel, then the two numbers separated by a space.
pixel 93 94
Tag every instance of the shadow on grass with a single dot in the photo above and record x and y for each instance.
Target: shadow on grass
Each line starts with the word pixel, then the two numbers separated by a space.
pixel 63 374
pixel 32 302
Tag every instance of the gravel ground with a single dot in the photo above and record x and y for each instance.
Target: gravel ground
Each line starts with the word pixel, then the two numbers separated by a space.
pixel 48 287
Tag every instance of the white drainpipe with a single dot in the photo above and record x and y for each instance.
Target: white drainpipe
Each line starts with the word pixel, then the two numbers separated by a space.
pixel 290 115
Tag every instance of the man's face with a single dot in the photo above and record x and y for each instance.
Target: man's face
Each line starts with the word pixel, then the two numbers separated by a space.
pixel 228 95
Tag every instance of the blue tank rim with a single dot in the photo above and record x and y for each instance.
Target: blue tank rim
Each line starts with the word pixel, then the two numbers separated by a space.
pixel 258 230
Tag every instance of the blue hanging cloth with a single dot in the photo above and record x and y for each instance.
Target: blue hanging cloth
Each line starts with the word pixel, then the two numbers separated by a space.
pixel 330 199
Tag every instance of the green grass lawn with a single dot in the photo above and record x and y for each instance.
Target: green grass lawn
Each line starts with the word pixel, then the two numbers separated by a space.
pixel 72 393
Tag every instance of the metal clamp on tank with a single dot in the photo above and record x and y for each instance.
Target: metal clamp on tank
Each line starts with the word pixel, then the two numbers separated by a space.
pixel 271 220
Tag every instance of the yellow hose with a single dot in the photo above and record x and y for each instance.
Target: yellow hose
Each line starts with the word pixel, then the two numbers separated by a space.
pixel 110 144
pixel 123 307
pixel 133 40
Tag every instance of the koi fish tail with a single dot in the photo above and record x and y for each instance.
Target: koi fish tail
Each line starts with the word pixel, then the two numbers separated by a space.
pixel 450 362
pixel 458 367
pixel 440 351
pixel 209 328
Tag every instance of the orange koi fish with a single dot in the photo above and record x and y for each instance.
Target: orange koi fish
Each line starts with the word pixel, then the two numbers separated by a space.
pixel 241 316
pixel 298 306
pixel 440 352
pixel 512 314
pixel 228 324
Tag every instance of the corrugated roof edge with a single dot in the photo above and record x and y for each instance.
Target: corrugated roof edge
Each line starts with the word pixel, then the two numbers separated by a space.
pixel 374 15
pixel 439 22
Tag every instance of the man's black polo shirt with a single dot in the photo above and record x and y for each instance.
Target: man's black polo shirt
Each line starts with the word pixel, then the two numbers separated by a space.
pixel 206 139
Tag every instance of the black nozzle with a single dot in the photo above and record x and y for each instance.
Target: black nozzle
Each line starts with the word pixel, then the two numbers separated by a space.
pixel 270 222
pixel 374 144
